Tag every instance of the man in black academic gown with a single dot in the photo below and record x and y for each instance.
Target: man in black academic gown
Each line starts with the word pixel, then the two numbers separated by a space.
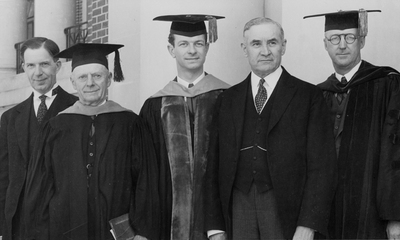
pixel 364 101
pixel 87 165
pixel 179 118
pixel 21 124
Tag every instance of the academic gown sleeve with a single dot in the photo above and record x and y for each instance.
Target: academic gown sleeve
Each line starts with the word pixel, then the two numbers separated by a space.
pixel 39 186
pixel 151 115
pixel 145 215
pixel 388 194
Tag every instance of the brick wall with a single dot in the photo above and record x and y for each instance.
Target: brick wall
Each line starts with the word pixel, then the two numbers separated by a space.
pixel 98 21
pixel 78 11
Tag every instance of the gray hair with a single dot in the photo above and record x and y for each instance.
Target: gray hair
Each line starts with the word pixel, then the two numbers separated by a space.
pixel 262 20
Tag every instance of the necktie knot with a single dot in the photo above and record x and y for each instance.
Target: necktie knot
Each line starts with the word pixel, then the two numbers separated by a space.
pixel 341 96
pixel 190 85
pixel 262 81
pixel 42 98
pixel 343 80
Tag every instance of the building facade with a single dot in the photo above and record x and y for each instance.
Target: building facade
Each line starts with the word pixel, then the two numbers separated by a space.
pixel 145 60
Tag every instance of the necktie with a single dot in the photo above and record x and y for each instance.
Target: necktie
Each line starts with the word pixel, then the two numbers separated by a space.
pixel 191 116
pixel 343 80
pixel 189 100
pixel 42 110
pixel 261 96
pixel 341 96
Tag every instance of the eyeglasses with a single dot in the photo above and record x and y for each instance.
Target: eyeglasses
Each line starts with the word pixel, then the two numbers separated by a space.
pixel 335 39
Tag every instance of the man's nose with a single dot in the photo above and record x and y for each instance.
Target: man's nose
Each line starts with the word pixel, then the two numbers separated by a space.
pixel 89 81
pixel 265 49
pixel 342 43
pixel 192 48
pixel 38 70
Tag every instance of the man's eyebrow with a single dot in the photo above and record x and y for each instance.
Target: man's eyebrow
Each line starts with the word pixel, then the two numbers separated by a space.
pixel 81 74
pixel 272 39
pixel 255 41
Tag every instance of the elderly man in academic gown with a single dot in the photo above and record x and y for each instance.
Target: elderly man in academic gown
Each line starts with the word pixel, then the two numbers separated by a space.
pixel 90 161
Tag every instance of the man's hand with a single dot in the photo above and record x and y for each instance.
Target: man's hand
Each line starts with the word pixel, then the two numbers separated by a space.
pixel 218 236
pixel 303 233
pixel 393 230
pixel 138 237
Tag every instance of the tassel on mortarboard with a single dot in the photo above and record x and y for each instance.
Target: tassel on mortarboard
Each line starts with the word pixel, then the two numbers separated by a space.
pixel 346 19
pixel 118 75
pixel 363 22
pixel 212 29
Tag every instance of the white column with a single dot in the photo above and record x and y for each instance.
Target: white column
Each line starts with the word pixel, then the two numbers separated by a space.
pixel 13 27
pixel 52 17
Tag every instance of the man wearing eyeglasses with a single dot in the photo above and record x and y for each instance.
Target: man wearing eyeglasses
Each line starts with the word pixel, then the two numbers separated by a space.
pixel 364 102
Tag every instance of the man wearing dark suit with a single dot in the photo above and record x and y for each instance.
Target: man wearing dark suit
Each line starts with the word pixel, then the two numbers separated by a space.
pixel 20 126
pixel 272 168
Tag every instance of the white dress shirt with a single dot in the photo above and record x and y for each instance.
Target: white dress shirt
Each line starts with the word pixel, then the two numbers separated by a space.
pixel 186 84
pixel 350 74
pixel 270 83
pixel 49 98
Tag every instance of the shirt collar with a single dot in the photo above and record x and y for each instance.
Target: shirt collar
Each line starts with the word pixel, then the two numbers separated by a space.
pixel 186 84
pixel 36 94
pixel 350 74
pixel 271 80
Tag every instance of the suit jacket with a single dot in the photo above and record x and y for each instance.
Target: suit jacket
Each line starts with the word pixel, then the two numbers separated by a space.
pixel 301 156
pixel 14 153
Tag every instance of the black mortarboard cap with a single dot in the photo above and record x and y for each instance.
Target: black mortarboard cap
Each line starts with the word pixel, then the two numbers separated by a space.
pixel 346 19
pixel 85 53
pixel 191 25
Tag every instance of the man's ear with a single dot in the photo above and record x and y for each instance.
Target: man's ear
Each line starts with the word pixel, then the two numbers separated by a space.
pixel 362 42
pixel 244 48
pixel 73 82
pixel 325 44
pixel 58 65
pixel 284 47
pixel 171 50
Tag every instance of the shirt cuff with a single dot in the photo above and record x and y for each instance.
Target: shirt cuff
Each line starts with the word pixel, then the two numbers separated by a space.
pixel 213 232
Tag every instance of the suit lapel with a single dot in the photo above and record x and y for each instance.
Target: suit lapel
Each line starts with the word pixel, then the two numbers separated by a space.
pixel 22 126
pixel 239 108
pixel 284 91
